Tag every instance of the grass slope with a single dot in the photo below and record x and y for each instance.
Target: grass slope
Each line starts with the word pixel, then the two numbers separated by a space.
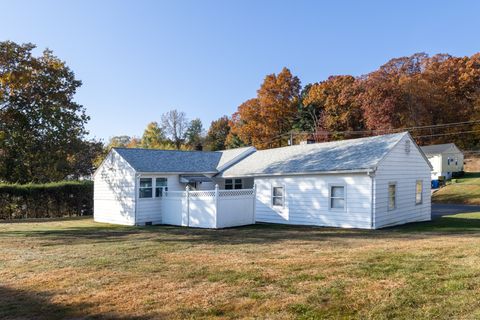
pixel 465 191
pixel 81 269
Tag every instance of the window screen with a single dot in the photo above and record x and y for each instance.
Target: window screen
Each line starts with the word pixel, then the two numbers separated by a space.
pixel 277 196
pixel 145 190
pixel 160 186
pixel 392 194
pixel 337 197
pixel 418 192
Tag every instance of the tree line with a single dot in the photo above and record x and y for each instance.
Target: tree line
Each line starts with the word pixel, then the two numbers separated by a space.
pixel 43 135
pixel 436 98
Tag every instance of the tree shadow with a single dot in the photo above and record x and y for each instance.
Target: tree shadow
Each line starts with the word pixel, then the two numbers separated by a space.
pixel 253 234
pixel 23 304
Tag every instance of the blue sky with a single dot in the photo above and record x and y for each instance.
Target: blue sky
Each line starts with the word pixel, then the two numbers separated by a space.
pixel 138 59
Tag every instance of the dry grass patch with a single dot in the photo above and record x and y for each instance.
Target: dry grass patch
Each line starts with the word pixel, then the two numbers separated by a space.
pixel 81 269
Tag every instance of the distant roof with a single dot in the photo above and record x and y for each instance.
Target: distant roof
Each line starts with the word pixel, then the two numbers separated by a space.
pixel 151 160
pixel 437 148
pixel 354 154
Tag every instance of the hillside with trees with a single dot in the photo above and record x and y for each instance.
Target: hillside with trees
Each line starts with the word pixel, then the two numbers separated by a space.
pixel 436 98
pixel 43 136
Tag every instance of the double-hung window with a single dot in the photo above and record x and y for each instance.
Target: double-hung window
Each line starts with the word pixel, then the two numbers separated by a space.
pixel 337 197
pixel 418 191
pixel 278 196
pixel 160 186
pixel 233 184
pixel 145 188
pixel 392 195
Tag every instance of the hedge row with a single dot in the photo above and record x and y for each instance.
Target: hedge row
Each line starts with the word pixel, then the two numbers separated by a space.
pixel 51 200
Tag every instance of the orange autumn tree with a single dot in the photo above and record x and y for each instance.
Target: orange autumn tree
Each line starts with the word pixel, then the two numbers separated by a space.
pixel 335 103
pixel 261 120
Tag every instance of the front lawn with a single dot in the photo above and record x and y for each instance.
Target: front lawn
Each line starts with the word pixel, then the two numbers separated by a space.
pixel 81 269
pixel 465 190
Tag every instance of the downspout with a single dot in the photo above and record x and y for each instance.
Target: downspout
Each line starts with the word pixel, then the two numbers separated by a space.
pixel 371 174
pixel 137 177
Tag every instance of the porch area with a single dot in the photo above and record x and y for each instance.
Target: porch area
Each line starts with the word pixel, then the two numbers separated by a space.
pixel 209 208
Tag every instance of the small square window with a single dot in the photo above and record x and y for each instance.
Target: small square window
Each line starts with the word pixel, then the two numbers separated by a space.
pixel 337 197
pixel 228 184
pixel 278 196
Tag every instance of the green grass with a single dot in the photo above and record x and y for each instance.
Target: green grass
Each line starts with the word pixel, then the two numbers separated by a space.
pixel 465 190
pixel 80 269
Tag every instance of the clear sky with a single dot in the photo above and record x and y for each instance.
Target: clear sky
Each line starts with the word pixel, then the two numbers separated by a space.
pixel 138 59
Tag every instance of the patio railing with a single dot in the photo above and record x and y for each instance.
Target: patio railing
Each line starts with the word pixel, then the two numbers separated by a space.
pixel 209 208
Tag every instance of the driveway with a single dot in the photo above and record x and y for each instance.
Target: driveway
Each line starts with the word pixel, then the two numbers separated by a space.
pixel 441 209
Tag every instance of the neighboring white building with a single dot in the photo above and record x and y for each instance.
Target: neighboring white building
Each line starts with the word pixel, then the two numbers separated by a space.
pixel 360 183
pixel 444 158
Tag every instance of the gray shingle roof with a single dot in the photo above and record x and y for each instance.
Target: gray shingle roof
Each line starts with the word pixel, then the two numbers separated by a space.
pixel 150 160
pixel 354 154
pixel 437 148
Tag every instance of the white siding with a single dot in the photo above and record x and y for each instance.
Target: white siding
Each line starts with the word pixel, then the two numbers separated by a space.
pixel 404 170
pixel 114 191
pixel 436 162
pixel 150 209
pixel 307 200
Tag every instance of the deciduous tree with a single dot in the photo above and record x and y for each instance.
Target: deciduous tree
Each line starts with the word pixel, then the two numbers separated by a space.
pixel 175 124
pixel 41 126
pixel 260 121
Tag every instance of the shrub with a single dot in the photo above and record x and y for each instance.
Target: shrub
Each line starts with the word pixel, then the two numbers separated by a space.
pixel 51 200
pixel 459 174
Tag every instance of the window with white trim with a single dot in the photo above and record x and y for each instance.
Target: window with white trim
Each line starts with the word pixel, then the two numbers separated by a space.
pixel 392 195
pixel 160 186
pixel 278 196
pixel 145 188
pixel 418 191
pixel 233 184
pixel 337 197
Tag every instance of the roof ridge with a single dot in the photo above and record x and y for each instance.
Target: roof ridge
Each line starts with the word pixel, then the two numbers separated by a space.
pixel 337 141
pixel 148 149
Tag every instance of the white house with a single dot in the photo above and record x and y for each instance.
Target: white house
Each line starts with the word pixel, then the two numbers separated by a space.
pixel 360 183
pixel 444 158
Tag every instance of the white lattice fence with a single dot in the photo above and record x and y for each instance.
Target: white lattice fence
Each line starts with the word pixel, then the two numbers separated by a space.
pixel 235 193
pixel 209 208
pixel 202 194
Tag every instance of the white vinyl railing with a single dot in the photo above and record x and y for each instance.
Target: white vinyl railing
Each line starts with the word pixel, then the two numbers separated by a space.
pixel 209 208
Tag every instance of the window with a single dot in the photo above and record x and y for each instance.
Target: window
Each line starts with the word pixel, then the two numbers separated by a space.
pixel 337 197
pixel 418 192
pixel 233 184
pixel 277 196
pixel 238 184
pixel 160 186
pixel 145 190
pixel 392 194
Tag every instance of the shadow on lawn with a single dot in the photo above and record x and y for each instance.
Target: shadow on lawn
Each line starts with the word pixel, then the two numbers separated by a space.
pixel 254 234
pixel 22 304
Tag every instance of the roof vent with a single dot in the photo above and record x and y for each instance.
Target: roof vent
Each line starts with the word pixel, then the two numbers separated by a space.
pixel 407 146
